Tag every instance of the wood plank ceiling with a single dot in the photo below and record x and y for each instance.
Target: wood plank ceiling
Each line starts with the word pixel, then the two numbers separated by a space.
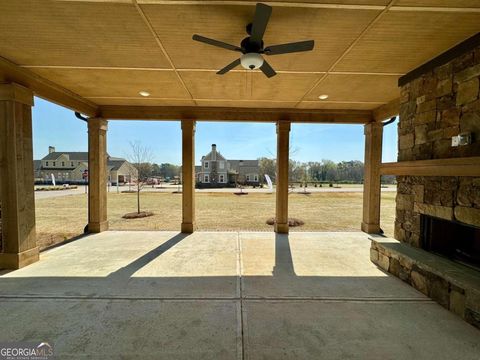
pixel 107 51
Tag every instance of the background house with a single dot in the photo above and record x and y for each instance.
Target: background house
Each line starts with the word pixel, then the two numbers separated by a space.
pixel 71 167
pixel 216 171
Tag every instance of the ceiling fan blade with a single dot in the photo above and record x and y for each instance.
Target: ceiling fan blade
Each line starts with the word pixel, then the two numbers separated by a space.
pixel 229 67
pixel 217 43
pixel 289 48
pixel 260 21
pixel 267 69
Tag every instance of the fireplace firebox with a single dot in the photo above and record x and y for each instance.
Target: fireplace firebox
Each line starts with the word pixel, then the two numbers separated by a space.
pixel 457 241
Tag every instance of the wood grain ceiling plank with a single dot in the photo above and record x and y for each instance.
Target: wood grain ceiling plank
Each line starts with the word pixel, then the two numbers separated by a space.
pixel 76 33
pixel 357 88
pixel 206 85
pixel 116 83
pixel 344 4
pixel 285 87
pixel 364 31
pixel 10 72
pixel 440 3
pixel 160 45
pixel 402 41
pixel 332 29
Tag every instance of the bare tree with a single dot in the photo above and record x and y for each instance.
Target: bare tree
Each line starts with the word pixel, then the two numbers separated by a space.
pixel 141 158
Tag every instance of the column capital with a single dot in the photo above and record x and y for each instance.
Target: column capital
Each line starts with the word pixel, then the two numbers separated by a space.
pixel 283 125
pixel 372 126
pixel 17 93
pixel 98 123
pixel 188 124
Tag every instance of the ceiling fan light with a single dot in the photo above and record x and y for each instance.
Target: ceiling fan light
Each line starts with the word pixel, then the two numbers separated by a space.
pixel 144 93
pixel 251 61
pixel 323 97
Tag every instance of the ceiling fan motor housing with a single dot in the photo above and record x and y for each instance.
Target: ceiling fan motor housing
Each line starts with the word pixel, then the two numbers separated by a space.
pixel 251 61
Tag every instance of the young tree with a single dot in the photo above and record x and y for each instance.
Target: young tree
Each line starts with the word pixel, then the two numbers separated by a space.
pixel 140 157
pixel 267 167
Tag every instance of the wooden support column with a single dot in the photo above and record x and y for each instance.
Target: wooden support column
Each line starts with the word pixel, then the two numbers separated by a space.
pixel 188 176
pixel 97 175
pixel 371 185
pixel 18 246
pixel 283 144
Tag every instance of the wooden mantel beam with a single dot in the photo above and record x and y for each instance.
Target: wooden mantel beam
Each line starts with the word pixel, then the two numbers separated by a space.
pixel 12 73
pixel 469 166
pixel 235 114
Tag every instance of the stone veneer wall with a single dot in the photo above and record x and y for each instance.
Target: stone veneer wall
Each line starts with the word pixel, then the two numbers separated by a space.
pixel 435 107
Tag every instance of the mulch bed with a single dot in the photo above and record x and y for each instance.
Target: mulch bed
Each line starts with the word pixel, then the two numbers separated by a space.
pixel 136 215
pixel 292 222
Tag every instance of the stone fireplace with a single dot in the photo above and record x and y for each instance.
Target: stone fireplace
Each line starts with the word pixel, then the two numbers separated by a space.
pixel 438 217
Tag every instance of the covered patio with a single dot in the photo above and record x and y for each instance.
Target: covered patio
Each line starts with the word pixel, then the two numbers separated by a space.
pixel 190 294
pixel 226 295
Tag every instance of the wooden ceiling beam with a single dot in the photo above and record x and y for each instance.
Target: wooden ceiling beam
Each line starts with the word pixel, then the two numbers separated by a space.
pixel 387 110
pixel 10 72
pixel 235 114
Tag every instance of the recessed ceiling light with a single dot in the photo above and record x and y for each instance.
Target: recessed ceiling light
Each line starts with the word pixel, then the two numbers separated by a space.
pixel 144 93
pixel 323 97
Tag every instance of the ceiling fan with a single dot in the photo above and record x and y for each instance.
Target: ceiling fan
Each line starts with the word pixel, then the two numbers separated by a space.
pixel 252 46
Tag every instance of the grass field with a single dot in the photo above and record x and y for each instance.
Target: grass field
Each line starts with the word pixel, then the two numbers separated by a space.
pixel 64 217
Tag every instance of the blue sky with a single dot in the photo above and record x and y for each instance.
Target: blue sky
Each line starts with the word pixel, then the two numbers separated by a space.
pixel 57 126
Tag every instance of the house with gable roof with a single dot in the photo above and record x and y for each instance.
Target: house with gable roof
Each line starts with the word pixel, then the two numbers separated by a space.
pixel 71 167
pixel 217 171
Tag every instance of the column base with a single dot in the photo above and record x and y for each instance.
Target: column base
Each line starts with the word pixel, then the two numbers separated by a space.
pixel 97 227
pixel 188 228
pixel 20 260
pixel 281 228
pixel 371 228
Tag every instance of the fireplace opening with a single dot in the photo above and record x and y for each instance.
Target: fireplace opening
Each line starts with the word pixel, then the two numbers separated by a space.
pixel 457 241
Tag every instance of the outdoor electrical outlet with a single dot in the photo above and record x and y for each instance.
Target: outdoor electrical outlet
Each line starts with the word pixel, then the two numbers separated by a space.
pixel 462 139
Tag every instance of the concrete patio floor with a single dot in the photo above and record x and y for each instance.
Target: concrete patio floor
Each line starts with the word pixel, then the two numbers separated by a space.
pixel 225 295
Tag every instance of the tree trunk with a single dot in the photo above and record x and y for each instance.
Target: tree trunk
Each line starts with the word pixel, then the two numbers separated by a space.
pixel 138 198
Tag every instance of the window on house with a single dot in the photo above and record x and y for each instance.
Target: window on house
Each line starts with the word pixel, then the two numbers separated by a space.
pixel 71 164
pixel 255 178
pixel 205 164
pixel 222 178
pixel 206 179
pixel 46 163
pixel 54 163
pixel 221 164
pixel 63 163
pixel 248 177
